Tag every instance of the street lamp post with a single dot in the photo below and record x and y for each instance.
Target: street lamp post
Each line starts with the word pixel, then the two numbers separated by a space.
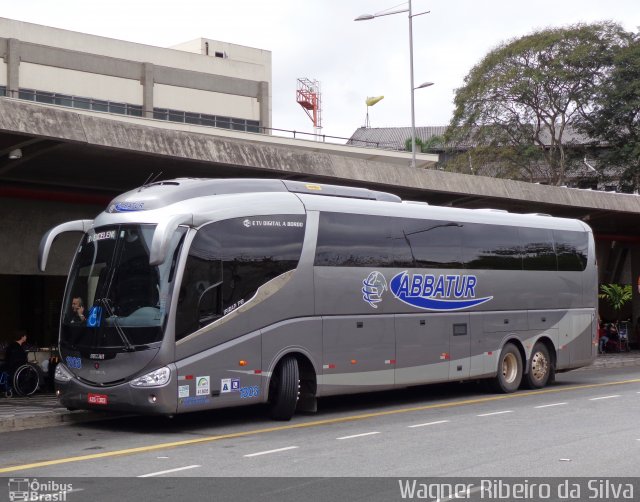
pixel 367 17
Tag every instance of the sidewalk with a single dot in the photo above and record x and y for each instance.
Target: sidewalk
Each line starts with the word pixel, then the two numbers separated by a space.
pixel 44 410
pixel 38 411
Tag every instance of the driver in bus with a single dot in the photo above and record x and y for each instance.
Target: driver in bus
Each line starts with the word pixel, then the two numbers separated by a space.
pixel 77 310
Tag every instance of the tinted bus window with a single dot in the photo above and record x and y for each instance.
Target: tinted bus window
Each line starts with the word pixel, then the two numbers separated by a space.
pixel 571 248
pixel 229 260
pixel 354 240
pixel 431 244
pixel 495 247
pixel 538 252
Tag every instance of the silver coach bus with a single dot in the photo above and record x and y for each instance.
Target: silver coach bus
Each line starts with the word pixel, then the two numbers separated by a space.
pixel 202 294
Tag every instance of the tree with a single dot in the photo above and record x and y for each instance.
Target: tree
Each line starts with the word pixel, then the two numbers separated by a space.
pixel 432 143
pixel 527 92
pixel 615 114
pixel 615 295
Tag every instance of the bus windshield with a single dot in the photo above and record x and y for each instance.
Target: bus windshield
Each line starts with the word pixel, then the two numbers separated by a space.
pixel 115 299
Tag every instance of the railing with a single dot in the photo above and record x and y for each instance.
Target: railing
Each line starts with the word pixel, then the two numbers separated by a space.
pixel 165 115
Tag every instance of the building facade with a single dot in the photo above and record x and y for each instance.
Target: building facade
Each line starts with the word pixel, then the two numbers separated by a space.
pixel 203 81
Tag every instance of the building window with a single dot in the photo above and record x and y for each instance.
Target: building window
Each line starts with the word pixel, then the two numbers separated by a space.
pixel 134 110
pixel 98 105
pixel 117 108
pixel 224 122
pixel 3 90
pixel 63 100
pixel 206 120
pixel 27 94
pixel 253 126
pixel 82 103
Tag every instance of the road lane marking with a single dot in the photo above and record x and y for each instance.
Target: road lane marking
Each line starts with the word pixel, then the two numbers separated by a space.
pixel 314 423
pixel 271 451
pixel 168 471
pixel 604 397
pixel 359 435
pixel 549 405
pixel 494 413
pixel 428 423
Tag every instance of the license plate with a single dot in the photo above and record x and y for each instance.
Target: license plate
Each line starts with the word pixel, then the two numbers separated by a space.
pixel 97 398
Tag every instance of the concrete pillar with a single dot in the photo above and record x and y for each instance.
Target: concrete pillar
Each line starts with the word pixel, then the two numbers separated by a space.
pixel 635 301
pixel 13 67
pixel 265 110
pixel 147 90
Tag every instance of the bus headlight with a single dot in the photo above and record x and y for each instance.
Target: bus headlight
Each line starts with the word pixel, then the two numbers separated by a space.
pixel 156 378
pixel 62 374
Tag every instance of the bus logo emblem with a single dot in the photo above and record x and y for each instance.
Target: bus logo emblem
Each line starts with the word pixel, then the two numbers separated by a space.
pixel 373 287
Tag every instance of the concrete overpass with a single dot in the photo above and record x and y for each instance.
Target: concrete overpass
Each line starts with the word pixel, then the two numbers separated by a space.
pixel 74 161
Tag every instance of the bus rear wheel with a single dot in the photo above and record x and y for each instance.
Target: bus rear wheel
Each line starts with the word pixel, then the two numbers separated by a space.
pixel 509 374
pixel 540 369
pixel 284 389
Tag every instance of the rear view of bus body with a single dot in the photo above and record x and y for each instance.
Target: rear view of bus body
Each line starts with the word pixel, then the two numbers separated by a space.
pixel 205 294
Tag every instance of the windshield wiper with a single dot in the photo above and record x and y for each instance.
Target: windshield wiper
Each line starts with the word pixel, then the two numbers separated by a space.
pixel 129 347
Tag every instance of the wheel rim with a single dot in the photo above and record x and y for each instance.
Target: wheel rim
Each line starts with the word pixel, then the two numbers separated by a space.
pixel 509 368
pixel 539 366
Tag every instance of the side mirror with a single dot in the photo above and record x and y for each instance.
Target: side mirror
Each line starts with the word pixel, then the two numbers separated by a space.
pixel 162 237
pixel 50 236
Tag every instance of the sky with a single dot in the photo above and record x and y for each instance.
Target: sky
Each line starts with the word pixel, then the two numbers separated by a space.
pixel 319 40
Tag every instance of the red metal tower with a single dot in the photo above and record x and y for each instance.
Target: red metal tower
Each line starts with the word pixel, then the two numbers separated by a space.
pixel 309 97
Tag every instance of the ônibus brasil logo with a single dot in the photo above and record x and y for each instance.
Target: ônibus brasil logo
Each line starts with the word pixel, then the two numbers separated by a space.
pixel 425 291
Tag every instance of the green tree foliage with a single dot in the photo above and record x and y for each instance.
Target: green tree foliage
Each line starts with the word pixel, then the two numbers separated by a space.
pixel 408 145
pixel 615 115
pixel 434 142
pixel 520 99
pixel 616 295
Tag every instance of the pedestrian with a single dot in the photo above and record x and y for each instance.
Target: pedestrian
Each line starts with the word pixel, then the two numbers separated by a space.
pixel 15 355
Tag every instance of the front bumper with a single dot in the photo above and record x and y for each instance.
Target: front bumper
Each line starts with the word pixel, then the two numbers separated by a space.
pixel 120 398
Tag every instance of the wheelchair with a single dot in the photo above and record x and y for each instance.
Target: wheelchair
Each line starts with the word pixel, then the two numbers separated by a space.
pixel 25 381
pixel 620 340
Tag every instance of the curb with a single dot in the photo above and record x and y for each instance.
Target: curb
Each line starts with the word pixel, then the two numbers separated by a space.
pixel 615 363
pixel 51 418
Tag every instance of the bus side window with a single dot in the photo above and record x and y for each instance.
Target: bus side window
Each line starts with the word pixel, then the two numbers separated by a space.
pixel 210 304
pixel 491 247
pixel 571 248
pixel 229 260
pixel 429 243
pixel 538 249
pixel 356 240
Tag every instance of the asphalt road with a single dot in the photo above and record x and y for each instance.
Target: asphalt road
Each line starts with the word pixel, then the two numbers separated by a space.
pixel 584 425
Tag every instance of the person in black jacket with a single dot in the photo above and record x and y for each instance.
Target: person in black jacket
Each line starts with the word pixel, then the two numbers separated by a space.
pixel 15 355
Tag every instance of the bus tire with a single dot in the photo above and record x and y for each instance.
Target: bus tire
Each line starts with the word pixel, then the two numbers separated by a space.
pixel 540 368
pixel 509 374
pixel 284 389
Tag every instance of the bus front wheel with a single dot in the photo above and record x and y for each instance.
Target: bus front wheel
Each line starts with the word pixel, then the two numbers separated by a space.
pixel 509 370
pixel 284 389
